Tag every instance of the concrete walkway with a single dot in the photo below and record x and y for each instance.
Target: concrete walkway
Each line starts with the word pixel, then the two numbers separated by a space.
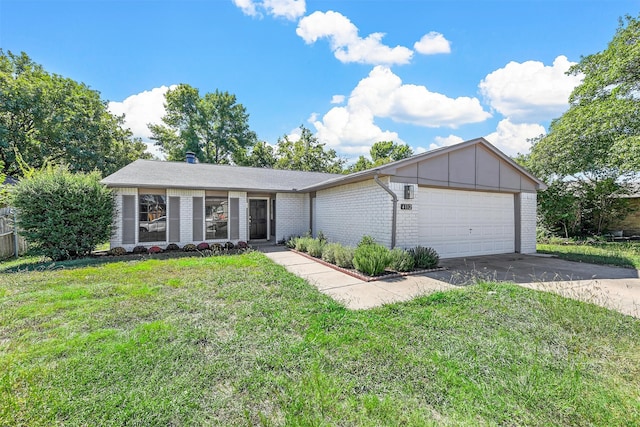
pixel 354 293
pixel 611 287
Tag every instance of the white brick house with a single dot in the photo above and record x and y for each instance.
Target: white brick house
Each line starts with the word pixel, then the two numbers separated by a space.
pixel 463 200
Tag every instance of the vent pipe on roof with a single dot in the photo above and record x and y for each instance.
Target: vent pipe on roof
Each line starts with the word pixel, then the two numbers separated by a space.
pixel 191 157
pixel 394 213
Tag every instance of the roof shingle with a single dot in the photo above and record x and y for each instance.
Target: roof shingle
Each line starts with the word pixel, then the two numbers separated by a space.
pixel 155 173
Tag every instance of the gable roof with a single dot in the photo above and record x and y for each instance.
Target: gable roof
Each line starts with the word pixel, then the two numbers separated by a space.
pixel 156 173
pixel 204 176
pixel 393 167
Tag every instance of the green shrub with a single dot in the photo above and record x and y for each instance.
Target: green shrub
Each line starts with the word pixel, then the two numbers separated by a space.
pixel 118 251
pixel 189 247
pixel 302 243
pixel 329 252
pixel 344 256
pixel 315 247
pixel 172 247
pixel 291 242
pixel 62 214
pixel 401 260
pixel 140 250
pixel 371 258
pixel 367 240
pixel 425 257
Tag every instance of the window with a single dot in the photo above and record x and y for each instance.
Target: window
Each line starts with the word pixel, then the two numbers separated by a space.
pixel 216 217
pixel 153 218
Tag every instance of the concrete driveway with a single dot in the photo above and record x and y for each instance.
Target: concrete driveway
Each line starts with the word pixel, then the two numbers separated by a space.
pixel 612 287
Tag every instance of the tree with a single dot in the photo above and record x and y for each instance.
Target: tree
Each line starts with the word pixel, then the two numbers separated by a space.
pixel 214 126
pixel 262 155
pixel 601 129
pixel 387 151
pixel 595 145
pixel 307 154
pixel 4 192
pixel 63 214
pixel 381 152
pixel 48 119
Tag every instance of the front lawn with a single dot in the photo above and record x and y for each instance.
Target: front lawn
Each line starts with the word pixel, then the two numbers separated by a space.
pixel 239 341
pixel 621 254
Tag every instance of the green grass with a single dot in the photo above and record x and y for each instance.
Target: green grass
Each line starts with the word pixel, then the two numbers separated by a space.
pixel 239 341
pixel 610 253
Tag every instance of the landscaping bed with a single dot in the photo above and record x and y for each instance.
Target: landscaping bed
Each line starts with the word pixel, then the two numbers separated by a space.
pixel 368 261
pixel 387 274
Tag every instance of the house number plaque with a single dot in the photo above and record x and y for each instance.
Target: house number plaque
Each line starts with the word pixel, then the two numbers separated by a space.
pixel 406 206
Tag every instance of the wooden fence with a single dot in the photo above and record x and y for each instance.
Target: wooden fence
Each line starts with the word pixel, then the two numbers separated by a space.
pixel 7 236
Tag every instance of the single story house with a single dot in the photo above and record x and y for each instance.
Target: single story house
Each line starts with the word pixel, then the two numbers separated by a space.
pixel 462 200
pixel 629 226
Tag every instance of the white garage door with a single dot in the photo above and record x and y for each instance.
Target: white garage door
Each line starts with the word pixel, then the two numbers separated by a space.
pixel 465 223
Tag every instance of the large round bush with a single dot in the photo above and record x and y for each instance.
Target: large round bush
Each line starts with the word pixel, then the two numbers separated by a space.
pixel 64 215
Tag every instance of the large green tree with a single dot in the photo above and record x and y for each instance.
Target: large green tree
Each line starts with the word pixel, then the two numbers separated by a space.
pixel 381 152
pixel 601 130
pixel 214 126
pixel 307 154
pixel 49 119
pixel 593 149
pixel 261 155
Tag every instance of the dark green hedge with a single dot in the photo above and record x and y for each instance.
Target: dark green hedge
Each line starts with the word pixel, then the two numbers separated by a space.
pixel 62 214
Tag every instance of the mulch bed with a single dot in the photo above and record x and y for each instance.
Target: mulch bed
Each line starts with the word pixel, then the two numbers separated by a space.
pixel 387 274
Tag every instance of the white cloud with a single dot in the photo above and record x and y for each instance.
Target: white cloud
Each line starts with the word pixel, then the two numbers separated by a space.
pixel 288 9
pixel 337 99
pixel 141 109
pixel 345 42
pixel 511 138
pixel 294 135
pixel 445 141
pixel 530 90
pixel 432 43
pixel 386 96
pixel 351 129
pixel 248 7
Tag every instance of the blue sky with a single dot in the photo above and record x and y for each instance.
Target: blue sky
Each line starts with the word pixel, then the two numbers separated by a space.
pixel 428 73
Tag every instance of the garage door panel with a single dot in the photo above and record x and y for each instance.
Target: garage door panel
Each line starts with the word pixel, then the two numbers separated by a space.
pixel 464 223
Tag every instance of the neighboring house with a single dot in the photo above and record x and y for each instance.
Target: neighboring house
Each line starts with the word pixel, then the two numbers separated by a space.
pixel 630 225
pixel 463 200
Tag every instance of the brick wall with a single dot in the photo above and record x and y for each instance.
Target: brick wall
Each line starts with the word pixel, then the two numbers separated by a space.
pixel 186 213
pixel 292 215
pixel 348 212
pixel 407 219
pixel 527 223
pixel 186 216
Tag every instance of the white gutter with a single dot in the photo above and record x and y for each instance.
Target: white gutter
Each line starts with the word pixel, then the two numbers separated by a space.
pixel 394 213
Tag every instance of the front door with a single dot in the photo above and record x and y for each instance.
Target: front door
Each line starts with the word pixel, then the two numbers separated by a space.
pixel 257 219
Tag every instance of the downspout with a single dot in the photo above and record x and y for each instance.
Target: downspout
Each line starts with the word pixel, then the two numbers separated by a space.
pixel 394 213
